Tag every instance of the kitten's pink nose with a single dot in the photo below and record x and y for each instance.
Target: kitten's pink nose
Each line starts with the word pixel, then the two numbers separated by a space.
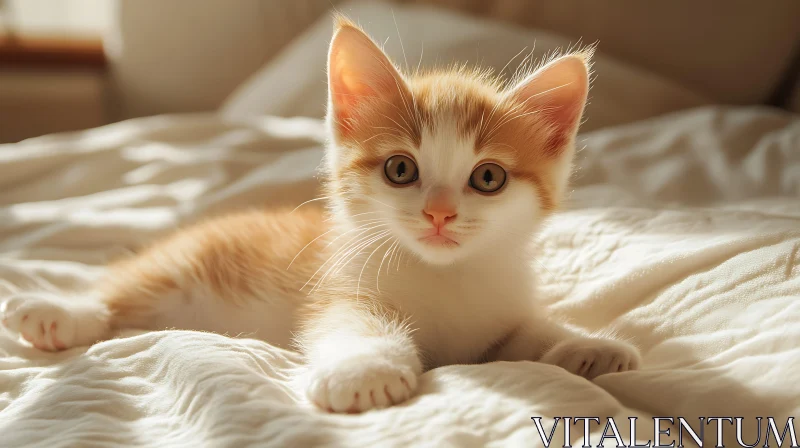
pixel 440 207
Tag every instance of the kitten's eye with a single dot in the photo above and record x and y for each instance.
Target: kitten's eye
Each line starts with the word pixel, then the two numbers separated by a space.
pixel 488 178
pixel 401 169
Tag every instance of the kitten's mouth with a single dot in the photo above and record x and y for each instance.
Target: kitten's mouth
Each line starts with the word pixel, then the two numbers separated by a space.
pixel 439 240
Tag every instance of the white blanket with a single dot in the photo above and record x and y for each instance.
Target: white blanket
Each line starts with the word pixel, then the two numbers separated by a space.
pixel 683 235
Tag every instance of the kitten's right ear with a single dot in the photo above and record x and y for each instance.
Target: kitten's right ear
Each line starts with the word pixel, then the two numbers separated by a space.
pixel 358 73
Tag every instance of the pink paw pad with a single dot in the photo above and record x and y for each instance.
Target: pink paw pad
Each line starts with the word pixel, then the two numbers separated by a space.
pixel 46 324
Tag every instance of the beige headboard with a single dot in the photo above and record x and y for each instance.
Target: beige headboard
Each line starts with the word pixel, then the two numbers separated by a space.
pixel 735 51
pixel 187 55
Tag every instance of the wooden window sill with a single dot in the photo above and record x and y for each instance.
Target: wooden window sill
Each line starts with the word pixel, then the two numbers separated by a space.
pixel 51 53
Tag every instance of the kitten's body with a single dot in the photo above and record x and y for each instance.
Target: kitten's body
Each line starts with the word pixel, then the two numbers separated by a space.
pixel 402 273
pixel 212 277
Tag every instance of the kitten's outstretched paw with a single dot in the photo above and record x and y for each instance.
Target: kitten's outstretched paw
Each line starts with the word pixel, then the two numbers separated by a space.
pixel 589 357
pixel 360 384
pixel 48 323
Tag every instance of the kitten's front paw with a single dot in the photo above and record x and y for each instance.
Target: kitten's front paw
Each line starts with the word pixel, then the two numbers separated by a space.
pixel 47 323
pixel 360 384
pixel 589 357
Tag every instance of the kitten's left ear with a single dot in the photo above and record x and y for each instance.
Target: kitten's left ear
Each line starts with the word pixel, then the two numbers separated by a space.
pixel 558 92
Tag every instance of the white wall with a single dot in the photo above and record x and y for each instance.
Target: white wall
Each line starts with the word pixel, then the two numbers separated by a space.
pixel 188 55
pixel 49 17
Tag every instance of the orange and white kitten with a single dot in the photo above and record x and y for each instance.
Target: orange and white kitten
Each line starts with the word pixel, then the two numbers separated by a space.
pixel 436 183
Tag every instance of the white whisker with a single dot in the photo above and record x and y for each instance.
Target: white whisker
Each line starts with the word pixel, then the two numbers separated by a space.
pixel 321 198
pixel 353 244
pixel 366 262
pixel 343 258
pixel 385 254
pixel 422 52
pixel 367 221
pixel 400 39
pixel 346 258
pixel 340 249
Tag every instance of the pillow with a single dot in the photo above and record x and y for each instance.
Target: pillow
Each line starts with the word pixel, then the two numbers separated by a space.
pixel 294 82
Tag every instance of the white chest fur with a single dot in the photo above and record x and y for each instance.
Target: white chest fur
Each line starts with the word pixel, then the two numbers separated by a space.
pixel 458 312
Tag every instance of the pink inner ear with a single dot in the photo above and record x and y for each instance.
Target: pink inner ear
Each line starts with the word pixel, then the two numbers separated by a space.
pixel 358 71
pixel 558 91
pixel 346 93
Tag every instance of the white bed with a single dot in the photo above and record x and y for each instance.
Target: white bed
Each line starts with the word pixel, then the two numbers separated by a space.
pixel 683 234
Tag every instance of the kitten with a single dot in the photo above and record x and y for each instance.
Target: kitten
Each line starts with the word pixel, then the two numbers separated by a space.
pixel 436 184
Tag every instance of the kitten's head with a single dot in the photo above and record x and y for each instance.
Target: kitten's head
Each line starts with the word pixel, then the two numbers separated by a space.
pixel 449 163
